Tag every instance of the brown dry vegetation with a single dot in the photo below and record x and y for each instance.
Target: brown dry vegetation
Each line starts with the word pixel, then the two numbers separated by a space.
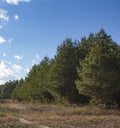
pixel 23 115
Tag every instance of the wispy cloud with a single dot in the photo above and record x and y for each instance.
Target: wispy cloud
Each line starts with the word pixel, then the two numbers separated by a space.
pixel 10 71
pixel 3 15
pixel 4 55
pixel 5 72
pixel 27 70
pixel 18 57
pixel 10 40
pixel 16 17
pixel 37 56
pixel 33 62
pixel 17 68
pixel 2 40
pixel 36 59
pixel 16 2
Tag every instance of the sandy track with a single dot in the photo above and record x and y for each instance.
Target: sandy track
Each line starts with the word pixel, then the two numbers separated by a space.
pixel 24 121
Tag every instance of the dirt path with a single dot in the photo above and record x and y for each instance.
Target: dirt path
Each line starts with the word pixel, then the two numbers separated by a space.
pixel 17 106
pixel 24 121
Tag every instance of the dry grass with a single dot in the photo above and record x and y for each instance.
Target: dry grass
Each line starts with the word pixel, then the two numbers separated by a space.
pixel 51 116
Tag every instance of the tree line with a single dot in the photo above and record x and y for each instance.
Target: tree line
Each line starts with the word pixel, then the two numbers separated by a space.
pixel 81 72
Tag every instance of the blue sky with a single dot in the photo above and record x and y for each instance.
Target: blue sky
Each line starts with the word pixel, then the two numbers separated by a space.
pixel 32 29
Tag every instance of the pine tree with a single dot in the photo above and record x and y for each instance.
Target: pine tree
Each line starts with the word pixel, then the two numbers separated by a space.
pixel 100 71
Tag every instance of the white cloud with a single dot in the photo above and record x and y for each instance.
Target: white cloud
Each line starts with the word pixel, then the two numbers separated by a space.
pixel 18 57
pixel 4 54
pixel 10 71
pixel 3 15
pixel 27 70
pixel 16 17
pixel 5 72
pixel 17 68
pixel 16 2
pixel 2 40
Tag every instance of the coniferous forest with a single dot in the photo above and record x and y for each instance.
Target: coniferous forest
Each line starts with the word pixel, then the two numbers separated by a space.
pixel 81 72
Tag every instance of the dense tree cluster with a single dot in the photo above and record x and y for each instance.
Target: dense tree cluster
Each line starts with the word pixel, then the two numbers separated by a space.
pixel 100 71
pixel 80 72
pixel 7 89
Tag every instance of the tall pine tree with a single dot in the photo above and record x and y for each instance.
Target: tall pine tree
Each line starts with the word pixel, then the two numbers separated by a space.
pixel 100 71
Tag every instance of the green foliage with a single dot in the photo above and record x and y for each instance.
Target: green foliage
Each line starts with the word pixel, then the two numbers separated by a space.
pixel 85 46
pixel 35 86
pixel 16 94
pixel 80 71
pixel 53 80
pixel 7 88
pixel 64 73
pixel 100 71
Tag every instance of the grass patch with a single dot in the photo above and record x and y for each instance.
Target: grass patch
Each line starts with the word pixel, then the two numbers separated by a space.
pixel 2 114
pixel 54 116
